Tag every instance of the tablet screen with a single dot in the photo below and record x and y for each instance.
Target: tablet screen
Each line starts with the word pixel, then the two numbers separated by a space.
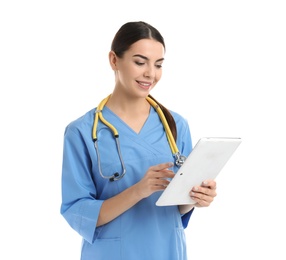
pixel 206 160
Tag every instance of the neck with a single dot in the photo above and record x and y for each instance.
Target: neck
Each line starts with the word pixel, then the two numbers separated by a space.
pixel 127 105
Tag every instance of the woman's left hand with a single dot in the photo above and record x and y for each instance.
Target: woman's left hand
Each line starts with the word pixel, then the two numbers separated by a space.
pixel 204 194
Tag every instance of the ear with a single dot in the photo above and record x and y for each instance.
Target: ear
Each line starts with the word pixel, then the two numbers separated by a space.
pixel 113 60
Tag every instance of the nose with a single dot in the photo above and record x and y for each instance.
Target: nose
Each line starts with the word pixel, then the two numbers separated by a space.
pixel 150 72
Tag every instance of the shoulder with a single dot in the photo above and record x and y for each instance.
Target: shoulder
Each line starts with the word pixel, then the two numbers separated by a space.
pixel 181 121
pixel 81 123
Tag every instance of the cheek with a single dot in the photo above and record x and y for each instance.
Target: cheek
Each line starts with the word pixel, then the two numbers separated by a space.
pixel 131 71
pixel 158 75
pixel 125 74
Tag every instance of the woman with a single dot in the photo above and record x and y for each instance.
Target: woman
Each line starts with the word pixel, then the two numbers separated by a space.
pixel 111 202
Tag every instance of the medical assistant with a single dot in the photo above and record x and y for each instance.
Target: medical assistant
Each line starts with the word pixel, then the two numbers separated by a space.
pixel 145 231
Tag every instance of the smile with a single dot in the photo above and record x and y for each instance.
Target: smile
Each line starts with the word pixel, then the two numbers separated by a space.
pixel 144 84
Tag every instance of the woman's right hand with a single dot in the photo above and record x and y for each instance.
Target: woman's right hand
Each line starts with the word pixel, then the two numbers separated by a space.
pixel 156 179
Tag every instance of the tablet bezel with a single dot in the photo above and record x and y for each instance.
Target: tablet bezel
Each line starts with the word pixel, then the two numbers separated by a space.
pixel 208 157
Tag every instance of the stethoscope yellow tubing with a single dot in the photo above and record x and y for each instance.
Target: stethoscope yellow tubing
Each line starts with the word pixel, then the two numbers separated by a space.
pixel 169 134
pixel 98 115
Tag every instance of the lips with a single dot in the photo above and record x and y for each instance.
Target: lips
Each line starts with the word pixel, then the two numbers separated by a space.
pixel 144 84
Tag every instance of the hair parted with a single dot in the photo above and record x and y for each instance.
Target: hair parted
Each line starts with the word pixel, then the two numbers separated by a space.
pixel 132 32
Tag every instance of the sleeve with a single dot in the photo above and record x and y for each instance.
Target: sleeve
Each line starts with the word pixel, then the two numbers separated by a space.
pixel 79 206
pixel 184 138
pixel 186 217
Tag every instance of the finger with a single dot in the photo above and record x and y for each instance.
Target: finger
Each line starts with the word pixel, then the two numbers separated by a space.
pixel 199 192
pixel 164 174
pixel 201 199
pixel 203 203
pixel 209 183
pixel 158 184
pixel 161 182
pixel 162 166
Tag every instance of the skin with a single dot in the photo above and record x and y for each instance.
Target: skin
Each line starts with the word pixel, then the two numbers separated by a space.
pixel 136 74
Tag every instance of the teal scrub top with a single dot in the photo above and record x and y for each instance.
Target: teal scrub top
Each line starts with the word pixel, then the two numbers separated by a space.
pixel 145 231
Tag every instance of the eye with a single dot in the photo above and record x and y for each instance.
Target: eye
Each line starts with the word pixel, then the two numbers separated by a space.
pixel 159 66
pixel 139 63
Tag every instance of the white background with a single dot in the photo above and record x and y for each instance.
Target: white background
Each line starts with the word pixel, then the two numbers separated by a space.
pixel 224 71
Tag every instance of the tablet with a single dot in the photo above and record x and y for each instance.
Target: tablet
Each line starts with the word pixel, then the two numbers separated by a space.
pixel 208 157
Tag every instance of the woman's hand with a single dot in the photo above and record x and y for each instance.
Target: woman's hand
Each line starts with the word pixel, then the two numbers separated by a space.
pixel 204 194
pixel 156 178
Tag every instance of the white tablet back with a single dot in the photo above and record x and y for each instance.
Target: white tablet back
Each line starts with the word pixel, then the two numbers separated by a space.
pixel 206 160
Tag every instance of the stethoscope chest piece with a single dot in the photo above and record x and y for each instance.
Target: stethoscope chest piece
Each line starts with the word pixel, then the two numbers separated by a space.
pixel 180 159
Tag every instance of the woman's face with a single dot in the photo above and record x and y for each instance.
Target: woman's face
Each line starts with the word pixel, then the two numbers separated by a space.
pixel 140 68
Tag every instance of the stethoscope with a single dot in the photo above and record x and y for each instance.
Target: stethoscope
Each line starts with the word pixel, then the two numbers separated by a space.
pixel 179 158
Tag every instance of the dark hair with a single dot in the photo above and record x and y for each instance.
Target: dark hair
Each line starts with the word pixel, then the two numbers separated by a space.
pixel 130 33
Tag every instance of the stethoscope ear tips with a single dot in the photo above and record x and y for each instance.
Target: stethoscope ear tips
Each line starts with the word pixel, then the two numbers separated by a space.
pixel 115 175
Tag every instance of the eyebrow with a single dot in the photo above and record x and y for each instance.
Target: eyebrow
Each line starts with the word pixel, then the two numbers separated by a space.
pixel 145 58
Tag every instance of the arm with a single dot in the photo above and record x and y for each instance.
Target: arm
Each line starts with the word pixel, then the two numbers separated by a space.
pixel 185 208
pixel 154 180
pixel 115 206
